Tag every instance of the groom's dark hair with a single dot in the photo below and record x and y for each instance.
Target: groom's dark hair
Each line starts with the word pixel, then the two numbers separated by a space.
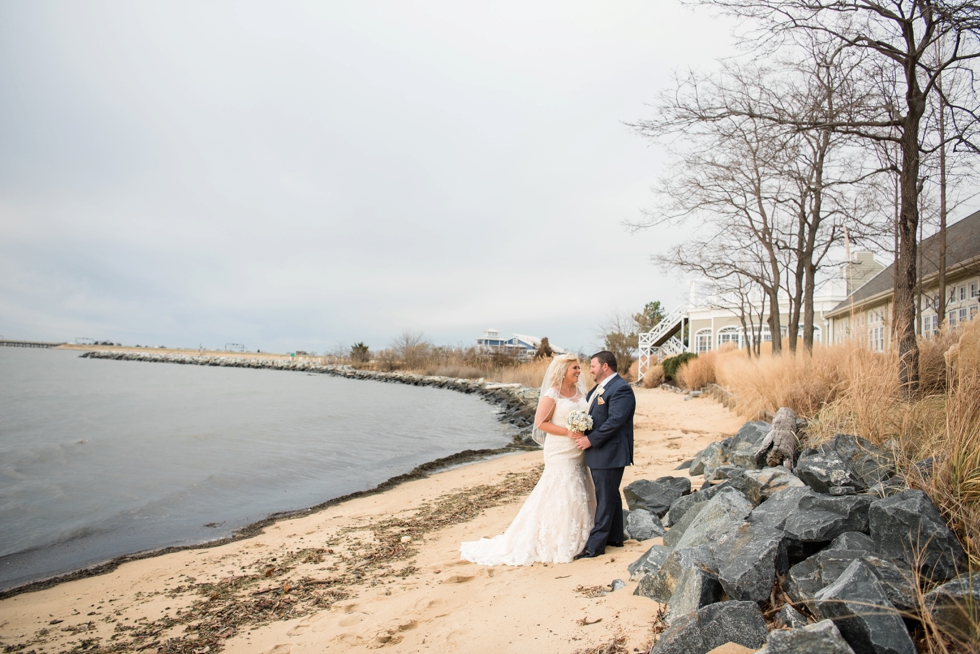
pixel 607 358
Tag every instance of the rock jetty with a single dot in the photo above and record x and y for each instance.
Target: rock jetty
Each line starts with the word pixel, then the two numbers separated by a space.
pixel 517 403
pixel 820 556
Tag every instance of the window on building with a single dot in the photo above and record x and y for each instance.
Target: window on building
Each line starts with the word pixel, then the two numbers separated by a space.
pixel 974 289
pixel 930 325
pixel 876 331
pixel 951 318
pixel 702 340
pixel 973 312
pixel 729 335
pixel 817 335
pixel 963 315
pixel 962 293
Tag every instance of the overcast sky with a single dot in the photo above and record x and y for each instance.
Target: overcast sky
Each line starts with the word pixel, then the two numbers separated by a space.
pixel 293 175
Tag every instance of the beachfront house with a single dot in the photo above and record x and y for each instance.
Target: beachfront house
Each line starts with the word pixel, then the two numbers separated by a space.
pixel 712 318
pixel 520 346
pixel 867 312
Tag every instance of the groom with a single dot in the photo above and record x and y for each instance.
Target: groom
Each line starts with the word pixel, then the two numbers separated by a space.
pixel 608 450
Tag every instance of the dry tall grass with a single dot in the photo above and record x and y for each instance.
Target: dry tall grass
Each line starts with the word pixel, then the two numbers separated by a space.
pixel 846 388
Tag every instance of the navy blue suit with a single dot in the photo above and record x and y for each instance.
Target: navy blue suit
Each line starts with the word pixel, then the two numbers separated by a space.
pixel 611 437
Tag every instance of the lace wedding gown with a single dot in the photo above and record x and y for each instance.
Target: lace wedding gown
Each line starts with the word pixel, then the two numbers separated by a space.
pixel 555 521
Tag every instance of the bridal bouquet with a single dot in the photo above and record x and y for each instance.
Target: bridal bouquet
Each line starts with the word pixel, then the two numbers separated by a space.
pixel 579 421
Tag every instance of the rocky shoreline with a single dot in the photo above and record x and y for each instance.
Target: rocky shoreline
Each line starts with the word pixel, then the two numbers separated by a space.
pixel 517 403
pixel 833 554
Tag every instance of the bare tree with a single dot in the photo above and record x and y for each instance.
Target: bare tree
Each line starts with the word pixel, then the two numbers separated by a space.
pixel 898 39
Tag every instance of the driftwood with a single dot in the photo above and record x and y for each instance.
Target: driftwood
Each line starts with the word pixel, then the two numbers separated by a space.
pixel 779 445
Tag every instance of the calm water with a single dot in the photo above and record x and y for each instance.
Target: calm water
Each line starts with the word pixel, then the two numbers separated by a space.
pixel 102 458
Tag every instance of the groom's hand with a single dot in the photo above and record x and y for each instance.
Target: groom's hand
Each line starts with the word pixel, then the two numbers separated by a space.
pixel 582 443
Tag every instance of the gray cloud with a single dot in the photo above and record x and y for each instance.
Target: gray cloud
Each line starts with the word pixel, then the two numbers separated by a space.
pixel 296 174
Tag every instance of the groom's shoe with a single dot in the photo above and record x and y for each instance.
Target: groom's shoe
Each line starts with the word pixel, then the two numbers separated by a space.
pixel 619 544
pixel 588 554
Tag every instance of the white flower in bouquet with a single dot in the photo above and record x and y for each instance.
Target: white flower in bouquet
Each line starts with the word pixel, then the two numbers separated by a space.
pixel 579 421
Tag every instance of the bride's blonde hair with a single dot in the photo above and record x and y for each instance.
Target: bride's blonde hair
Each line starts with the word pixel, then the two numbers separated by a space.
pixel 561 364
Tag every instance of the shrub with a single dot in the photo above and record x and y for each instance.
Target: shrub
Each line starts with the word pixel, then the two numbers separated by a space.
pixel 671 364
pixel 654 377
pixel 698 372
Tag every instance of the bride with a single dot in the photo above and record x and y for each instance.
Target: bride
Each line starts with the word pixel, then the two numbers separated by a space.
pixel 554 523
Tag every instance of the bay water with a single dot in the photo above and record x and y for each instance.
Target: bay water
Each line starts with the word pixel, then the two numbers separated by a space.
pixel 101 458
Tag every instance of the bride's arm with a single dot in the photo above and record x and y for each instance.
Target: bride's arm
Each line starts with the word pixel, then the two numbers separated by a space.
pixel 542 418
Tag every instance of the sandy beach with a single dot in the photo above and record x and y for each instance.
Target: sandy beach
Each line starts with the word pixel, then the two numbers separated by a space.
pixel 377 572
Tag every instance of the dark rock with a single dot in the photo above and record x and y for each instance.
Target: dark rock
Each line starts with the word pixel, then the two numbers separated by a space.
pixel 839 491
pixel 807 578
pixel 724 472
pixel 720 514
pixel 822 470
pixel 822 518
pixel 660 585
pixel 857 604
pixel 790 618
pixel 617 584
pixel 643 525
pixel 955 606
pixel 909 527
pixel 709 458
pixel 868 462
pixel 820 638
pixel 713 626
pixel 674 534
pixel 760 485
pixel 650 562
pixel 681 505
pixel 926 468
pixel 774 511
pixel 750 434
pixel 656 496
pixel 748 561
pixel 853 540
pixel 694 589
pixel 686 465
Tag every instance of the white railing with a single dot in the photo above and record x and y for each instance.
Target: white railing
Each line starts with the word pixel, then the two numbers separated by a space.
pixel 671 347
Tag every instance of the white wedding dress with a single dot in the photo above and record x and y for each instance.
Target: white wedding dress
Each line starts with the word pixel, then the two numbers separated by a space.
pixel 554 523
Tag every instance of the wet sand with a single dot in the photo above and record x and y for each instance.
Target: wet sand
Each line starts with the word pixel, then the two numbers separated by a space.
pixel 381 571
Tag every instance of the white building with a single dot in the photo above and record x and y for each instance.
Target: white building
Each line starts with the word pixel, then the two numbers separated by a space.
pixel 520 346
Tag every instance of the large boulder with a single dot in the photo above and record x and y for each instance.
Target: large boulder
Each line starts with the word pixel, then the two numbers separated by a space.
pixel 760 485
pixel 868 462
pixel 650 562
pixel 660 585
pixel 909 527
pixel 745 445
pixel 714 626
pixel 807 578
pixel 749 559
pixel 682 504
pixel 720 514
pixel 823 470
pixel 676 531
pixel 820 518
pixel 779 507
pixel 643 525
pixel 657 495
pixel 859 607
pixel 955 606
pixel 853 540
pixel 709 458
pixel 820 638
pixel 694 590
pixel 790 618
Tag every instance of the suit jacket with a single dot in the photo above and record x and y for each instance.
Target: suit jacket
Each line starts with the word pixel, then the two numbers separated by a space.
pixel 611 435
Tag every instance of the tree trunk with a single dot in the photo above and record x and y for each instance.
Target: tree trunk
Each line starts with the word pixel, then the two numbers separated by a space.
pixel 908 227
